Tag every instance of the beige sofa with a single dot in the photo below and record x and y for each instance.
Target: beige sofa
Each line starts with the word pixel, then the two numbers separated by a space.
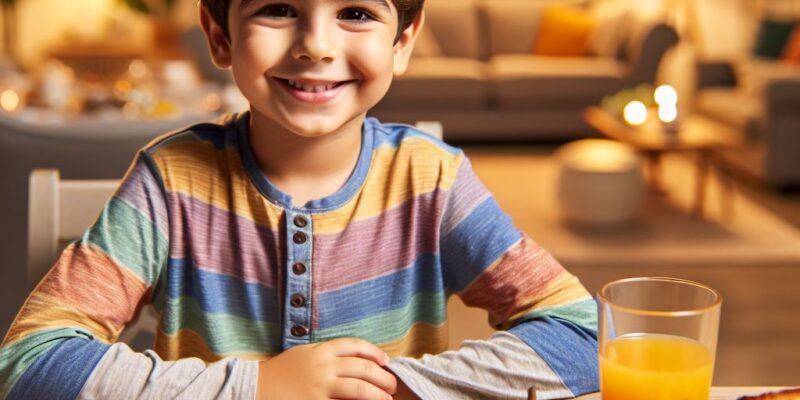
pixel 483 82
pixel 761 98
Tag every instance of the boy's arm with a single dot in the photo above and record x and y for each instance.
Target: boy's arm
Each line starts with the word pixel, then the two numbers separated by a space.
pixel 61 345
pixel 548 320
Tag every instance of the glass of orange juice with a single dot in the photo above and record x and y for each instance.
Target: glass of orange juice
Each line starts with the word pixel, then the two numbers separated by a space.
pixel 658 338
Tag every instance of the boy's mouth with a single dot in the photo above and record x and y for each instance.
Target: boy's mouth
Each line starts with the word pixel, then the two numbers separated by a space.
pixel 313 91
pixel 316 87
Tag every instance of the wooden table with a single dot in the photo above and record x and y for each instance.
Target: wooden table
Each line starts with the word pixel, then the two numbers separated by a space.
pixel 717 393
pixel 696 134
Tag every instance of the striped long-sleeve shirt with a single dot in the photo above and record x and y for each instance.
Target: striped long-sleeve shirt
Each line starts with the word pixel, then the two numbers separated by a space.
pixel 237 274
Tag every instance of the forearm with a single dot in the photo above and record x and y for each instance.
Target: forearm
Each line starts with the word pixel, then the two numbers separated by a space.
pixel 501 367
pixel 82 367
pixel 123 373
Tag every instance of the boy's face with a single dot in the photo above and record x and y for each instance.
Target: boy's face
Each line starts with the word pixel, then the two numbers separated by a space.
pixel 312 66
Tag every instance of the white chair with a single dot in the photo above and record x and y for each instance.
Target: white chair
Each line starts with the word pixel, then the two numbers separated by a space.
pixel 433 128
pixel 59 211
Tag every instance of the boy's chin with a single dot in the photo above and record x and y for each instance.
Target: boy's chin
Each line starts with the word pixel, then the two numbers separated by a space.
pixel 314 127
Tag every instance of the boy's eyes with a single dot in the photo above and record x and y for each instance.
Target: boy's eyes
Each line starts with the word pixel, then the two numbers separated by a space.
pixel 278 11
pixel 286 11
pixel 356 14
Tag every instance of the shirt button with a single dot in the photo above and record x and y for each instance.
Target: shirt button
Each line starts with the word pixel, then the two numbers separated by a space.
pixel 298 300
pixel 299 237
pixel 300 221
pixel 299 331
pixel 299 268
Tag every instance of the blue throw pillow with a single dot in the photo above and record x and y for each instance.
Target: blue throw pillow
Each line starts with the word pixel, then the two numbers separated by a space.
pixel 772 37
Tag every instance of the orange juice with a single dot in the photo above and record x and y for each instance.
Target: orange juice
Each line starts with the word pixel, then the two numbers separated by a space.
pixel 655 367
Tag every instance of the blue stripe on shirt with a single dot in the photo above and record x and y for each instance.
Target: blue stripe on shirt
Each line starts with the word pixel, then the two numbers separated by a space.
pixel 61 372
pixel 381 294
pixel 569 349
pixel 219 293
pixel 475 243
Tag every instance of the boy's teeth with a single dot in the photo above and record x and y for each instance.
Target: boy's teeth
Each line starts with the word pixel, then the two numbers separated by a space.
pixel 310 88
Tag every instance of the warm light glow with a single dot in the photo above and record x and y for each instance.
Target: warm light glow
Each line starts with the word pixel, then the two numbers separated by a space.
pixel 212 102
pixel 635 113
pixel 598 155
pixel 667 113
pixel 122 89
pixel 137 69
pixel 131 110
pixel 666 95
pixel 9 100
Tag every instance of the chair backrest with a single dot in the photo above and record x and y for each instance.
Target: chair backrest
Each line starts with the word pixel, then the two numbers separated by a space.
pixel 59 211
pixel 433 128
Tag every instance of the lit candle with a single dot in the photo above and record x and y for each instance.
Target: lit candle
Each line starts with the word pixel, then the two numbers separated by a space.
pixel 667 98
pixel 667 113
pixel 635 113
pixel 666 95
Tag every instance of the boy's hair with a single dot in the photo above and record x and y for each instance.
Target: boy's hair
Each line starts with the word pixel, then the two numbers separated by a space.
pixel 408 10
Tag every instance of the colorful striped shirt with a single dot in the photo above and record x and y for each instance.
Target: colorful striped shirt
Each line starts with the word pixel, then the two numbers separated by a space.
pixel 237 274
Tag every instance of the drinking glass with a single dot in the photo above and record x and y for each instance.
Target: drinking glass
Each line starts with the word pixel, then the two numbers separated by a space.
pixel 658 338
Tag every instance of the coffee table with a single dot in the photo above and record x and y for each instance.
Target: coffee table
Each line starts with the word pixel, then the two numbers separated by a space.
pixel 695 135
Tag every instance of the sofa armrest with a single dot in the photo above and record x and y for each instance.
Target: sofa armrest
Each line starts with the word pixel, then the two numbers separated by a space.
pixel 646 48
pixel 715 74
pixel 781 139
pixel 782 97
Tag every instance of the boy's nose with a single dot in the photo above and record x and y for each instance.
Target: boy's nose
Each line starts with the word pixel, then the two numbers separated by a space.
pixel 315 44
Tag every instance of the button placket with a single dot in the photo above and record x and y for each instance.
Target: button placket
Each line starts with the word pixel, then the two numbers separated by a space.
pixel 297 299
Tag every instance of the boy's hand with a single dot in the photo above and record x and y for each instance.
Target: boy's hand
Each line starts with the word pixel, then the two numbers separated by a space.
pixel 340 369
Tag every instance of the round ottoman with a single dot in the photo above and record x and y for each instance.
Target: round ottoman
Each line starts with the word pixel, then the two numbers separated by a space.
pixel 600 182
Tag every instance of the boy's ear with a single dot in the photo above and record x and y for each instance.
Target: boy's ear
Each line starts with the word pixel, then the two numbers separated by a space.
pixel 218 44
pixel 405 45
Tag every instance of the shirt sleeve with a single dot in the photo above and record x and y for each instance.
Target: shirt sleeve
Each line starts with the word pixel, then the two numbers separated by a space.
pixel 548 321
pixel 62 340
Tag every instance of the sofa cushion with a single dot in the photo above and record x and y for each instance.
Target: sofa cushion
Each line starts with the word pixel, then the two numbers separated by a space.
pixel 439 82
pixel 563 31
pixel 732 106
pixel 791 51
pixel 512 25
pixel 771 37
pixel 456 26
pixel 611 26
pixel 754 74
pixel 523 81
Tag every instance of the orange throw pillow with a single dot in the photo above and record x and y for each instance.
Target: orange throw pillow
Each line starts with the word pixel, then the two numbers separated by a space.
pixel 563 31
pixel 791 51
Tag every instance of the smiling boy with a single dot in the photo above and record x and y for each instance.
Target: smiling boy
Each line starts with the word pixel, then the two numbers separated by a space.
pixel 301 250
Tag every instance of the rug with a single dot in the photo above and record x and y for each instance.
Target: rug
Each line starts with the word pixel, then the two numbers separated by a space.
pixel 665 232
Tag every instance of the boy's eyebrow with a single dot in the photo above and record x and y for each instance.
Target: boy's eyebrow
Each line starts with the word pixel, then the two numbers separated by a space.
pixel 382 3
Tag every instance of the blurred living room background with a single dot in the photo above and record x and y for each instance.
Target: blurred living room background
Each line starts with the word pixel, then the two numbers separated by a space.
pixel 553 100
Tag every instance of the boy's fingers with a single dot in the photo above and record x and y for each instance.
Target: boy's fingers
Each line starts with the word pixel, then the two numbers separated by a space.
pixel 360 368
pixel 352 347
pixel 357 389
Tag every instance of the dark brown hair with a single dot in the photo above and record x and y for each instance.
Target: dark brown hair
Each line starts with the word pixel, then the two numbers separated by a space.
pixel 408 10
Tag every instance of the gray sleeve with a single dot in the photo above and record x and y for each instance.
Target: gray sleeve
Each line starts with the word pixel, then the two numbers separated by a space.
pixel 503 367
pixel 125 374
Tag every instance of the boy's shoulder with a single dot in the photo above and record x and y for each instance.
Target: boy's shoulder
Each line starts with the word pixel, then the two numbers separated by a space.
pixel 408 140
pixel 218 134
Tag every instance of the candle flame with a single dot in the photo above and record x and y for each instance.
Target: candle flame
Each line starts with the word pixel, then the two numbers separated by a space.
pixel 635 113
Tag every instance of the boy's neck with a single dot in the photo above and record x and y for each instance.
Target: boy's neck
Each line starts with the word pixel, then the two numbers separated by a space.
pixel 305 168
